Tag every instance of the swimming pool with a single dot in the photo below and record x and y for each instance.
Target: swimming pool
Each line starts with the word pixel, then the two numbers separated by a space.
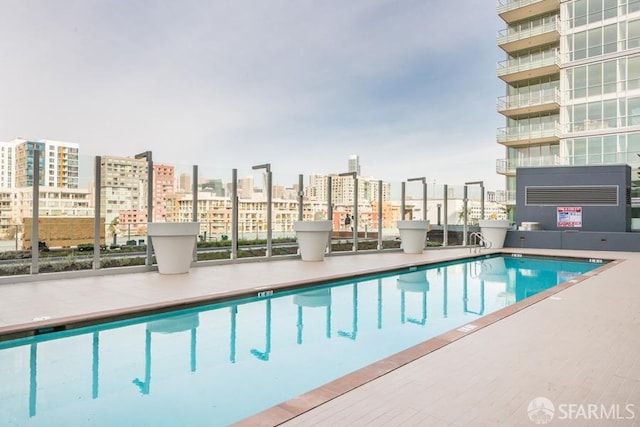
pixel 220 363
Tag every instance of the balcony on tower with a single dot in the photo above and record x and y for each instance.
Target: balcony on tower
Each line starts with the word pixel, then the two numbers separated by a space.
pixel 536 102
pixel 530 65
pixel 542 133
pixel 508 166
pixel 541 31
pixel 517 10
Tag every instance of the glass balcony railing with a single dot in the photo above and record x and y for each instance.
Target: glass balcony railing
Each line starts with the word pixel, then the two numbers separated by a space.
pixel 529 62
pixel 550 131
pixel 509 5
pixel 505 166
pixel 513 34
pixel 531 99
pixel 632 158
pixel 507 197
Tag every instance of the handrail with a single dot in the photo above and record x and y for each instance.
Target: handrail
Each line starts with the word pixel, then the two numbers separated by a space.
pixel 477 241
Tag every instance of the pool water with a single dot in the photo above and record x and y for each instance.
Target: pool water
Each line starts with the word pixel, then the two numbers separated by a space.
pixel 217 364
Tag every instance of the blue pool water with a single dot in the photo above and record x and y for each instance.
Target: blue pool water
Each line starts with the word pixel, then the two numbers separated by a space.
pixel 215 365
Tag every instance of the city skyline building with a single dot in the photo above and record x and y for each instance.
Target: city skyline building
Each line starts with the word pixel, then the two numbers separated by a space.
pixel 58 163
pixel 354 164
pixel 572 80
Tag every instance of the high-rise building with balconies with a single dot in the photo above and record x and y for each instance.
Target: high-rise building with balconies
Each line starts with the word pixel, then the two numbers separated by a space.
pixel 572 78
pixel 58 163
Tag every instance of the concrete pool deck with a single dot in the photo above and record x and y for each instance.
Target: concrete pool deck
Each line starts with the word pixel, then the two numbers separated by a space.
pixel 576 345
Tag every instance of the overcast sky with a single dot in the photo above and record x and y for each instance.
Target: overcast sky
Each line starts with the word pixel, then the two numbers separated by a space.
pixel 410 86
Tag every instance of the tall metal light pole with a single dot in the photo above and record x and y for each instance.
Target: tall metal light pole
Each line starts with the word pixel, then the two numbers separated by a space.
pixel 481 184
pixel 147 155
pixel 354 221
pixel 424 194
pixel 267 168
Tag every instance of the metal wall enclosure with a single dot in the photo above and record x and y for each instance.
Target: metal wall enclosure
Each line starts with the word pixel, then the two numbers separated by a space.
pixel 600 192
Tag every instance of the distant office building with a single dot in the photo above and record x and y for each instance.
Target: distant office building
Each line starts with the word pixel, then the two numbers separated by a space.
pixel 342 189
pixel 354 164
pixel 213 186
pixel 184 183
pixel 245 187
pixel 123 186
pixel 164 185
pixel 7 165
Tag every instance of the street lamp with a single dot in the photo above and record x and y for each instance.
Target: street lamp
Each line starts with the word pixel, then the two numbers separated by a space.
pixel 424 194
pixel 267 168
pixel 354 222
pixel 147 155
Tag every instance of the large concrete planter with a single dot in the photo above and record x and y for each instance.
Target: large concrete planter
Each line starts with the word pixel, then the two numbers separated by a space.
pixel 413 235
pixel 173 244
pixel 313 237
pixel 494 231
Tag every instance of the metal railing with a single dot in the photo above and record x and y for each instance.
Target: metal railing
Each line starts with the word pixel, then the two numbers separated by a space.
pixel 511 34
pixel 477 241
pixel 529 62
pixel 529 99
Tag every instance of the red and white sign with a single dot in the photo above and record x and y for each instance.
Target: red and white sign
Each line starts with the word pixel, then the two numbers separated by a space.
pixel 570 216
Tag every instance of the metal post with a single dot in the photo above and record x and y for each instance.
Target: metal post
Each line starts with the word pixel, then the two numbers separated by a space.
pixel 424 199
pixel 194 213
pixel 149 259
pixel 402 200
pixel 234 214
pixel 269 213
pixel 267 168
pixel 465 213
pixel 329 209
pixel 35 243
pixel 194 216
pixel 424 195
pixel 481 183
pixel 355 212
pixel 147 155
pixel 300 197
pixel 445 229
pixel 354 222
pixel 96 212
pixel 481 200
pixel 379 215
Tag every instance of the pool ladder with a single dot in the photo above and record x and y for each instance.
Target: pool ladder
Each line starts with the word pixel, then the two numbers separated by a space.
pixel 477 241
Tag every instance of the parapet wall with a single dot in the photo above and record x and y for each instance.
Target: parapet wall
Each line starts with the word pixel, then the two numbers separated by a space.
pixel 575 240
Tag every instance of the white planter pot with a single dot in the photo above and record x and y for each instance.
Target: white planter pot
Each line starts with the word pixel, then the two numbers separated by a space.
pixel 313 237
pixel 173 244
pixel 413 235
pixel 494 231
